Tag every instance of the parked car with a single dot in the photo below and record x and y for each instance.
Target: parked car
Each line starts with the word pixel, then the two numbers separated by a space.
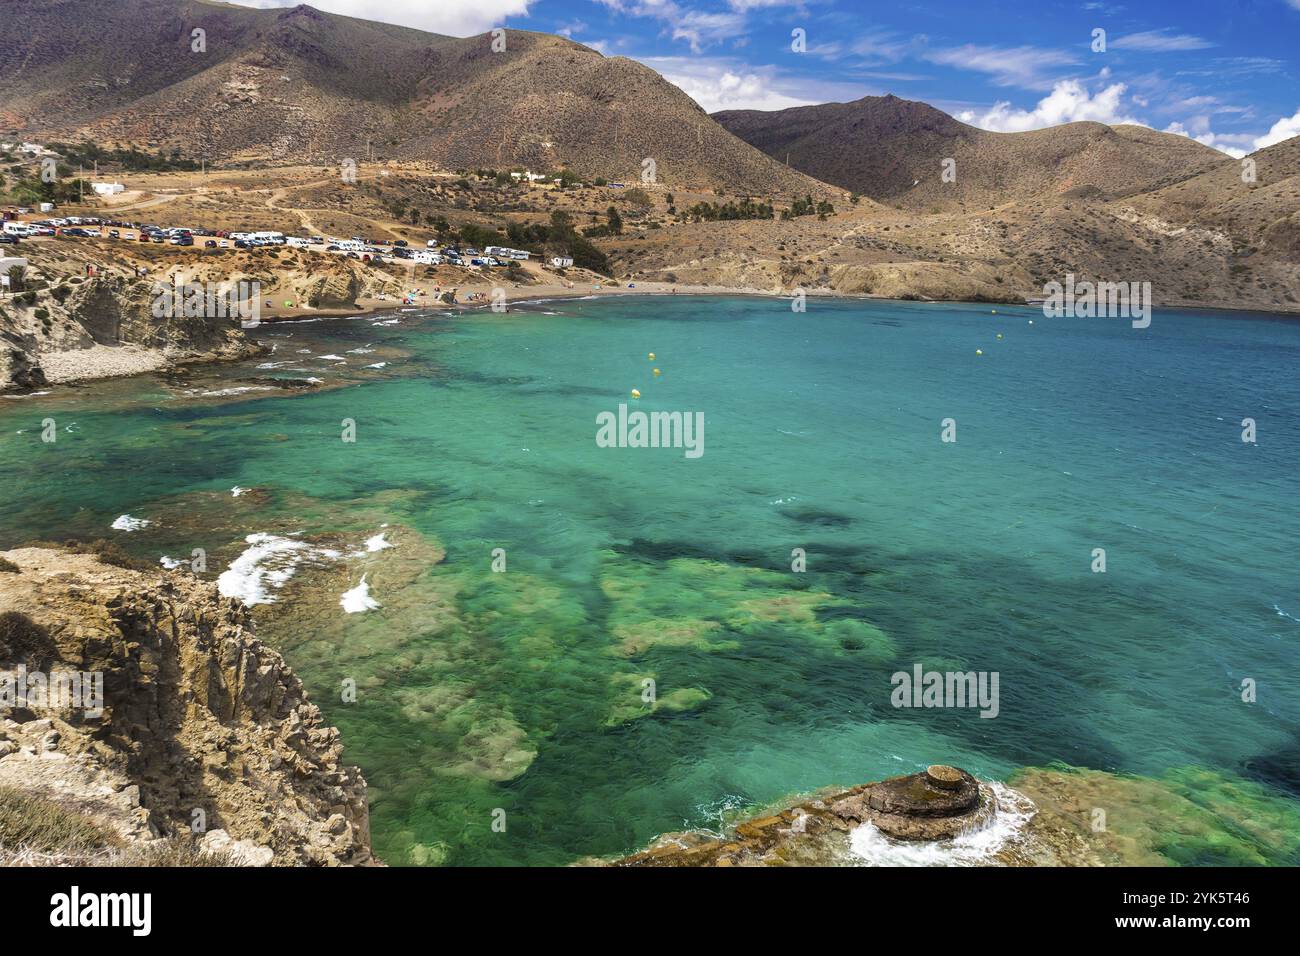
pixel 77 232
pixel 143 237
pixel 8 240
pixel 332 249
pixel 399 242
pixel 114 234
pixel 242 244
pixel 210 244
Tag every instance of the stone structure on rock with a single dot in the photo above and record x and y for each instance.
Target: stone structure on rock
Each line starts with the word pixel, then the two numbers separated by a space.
pixel 937 804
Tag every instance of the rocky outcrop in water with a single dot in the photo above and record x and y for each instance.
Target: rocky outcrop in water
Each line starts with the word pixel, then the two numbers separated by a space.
pixel 939 804
pixel 199 732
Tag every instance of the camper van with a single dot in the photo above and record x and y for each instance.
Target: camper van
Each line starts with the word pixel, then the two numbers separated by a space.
pixel 20 229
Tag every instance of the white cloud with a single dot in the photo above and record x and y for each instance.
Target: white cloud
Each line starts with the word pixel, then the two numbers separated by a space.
pixel 460 18
pixel 726 85
pixel 1069 102
pixel 1026 66
pixel 1237 144
pixel 1284 128
pixel 1159 41
pixel 1198 128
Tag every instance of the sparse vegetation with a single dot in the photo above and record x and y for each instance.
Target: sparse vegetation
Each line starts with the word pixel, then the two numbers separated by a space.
pixel 30 822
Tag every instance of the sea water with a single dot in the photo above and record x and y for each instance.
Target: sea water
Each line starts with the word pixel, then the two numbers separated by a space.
pixel 567 648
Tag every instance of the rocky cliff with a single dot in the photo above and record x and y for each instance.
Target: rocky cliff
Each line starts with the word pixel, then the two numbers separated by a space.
pixel 199 738
pixel 88 310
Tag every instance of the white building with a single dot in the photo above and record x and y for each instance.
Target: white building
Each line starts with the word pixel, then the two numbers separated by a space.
pixel 107 189
pixel 561 262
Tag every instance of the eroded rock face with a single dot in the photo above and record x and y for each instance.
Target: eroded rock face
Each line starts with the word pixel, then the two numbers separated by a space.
pixel 200 721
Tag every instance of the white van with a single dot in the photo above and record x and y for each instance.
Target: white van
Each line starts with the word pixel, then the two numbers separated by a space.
pixel 20 229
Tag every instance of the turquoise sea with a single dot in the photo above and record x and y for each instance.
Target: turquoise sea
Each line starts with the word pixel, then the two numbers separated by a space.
pixel 525 691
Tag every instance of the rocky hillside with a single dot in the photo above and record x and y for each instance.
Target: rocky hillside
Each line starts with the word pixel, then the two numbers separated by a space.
pixel 204 748
pixel 1264 212
pixel 892 150
pixel 276 85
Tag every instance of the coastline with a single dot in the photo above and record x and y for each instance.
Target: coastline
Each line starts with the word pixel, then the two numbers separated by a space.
pixel 99 362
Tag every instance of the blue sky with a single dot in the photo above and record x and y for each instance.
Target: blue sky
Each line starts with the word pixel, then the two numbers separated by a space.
pixel 1225 72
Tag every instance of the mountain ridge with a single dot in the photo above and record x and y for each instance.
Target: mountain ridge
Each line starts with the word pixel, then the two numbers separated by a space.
pixel 893 151
pixel 278 85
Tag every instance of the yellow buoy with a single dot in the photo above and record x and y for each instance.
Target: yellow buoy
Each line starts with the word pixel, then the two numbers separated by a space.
pixel 656 373
pixel 979 351
pixel 999 335
pixel 1031 321
pixel 651 356
pixel 636 393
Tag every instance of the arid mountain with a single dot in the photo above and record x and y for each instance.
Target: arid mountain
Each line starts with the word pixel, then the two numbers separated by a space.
pixel 298 84
pixel 1257 202
pixel 893 151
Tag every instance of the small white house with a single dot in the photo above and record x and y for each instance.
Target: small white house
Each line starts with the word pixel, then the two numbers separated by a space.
pixel 107 189
pixel 561 262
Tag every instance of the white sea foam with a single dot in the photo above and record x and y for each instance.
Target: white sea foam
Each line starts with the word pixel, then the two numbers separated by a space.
pixel 377 365
pixel 974 848
pixel 235 390
pixel 332 357
pixel 377 543
pixel 170 563
pixel 358 599
pixel 264 567
pixel 127 523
